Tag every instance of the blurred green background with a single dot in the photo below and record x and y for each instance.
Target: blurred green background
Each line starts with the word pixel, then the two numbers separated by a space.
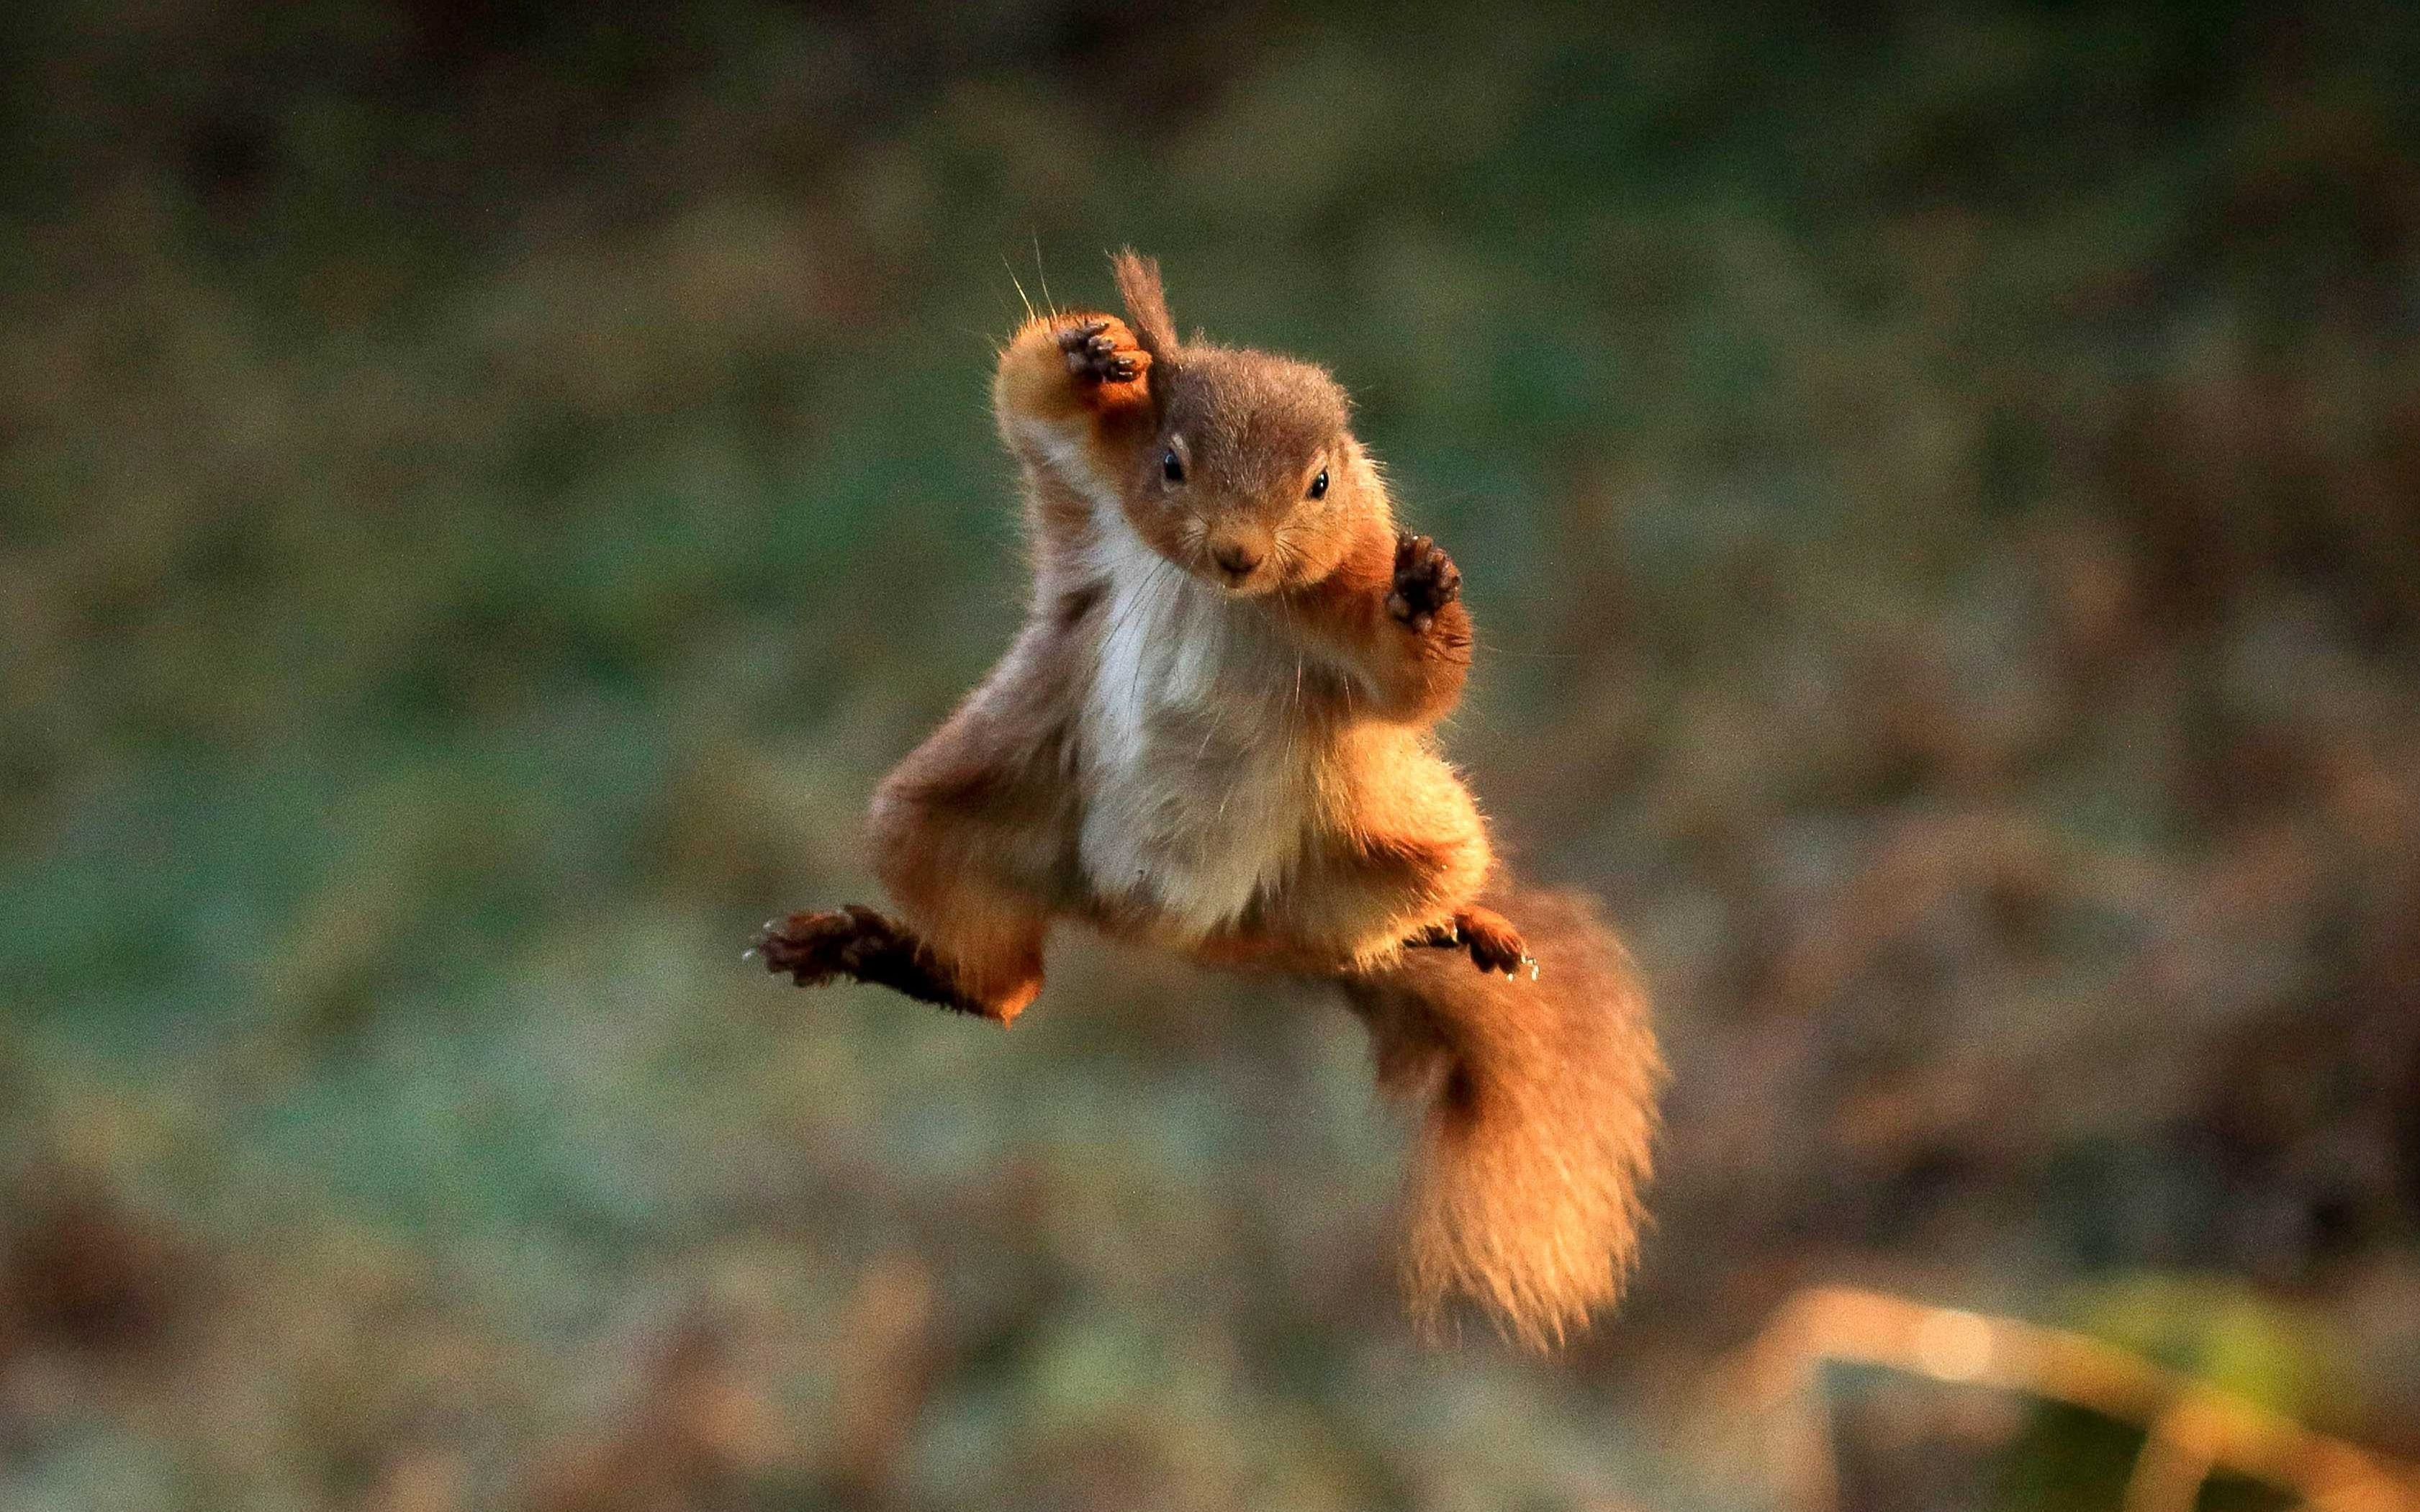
pixel 486 490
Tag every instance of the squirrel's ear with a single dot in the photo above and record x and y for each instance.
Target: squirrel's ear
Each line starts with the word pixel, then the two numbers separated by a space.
pixel 1146 304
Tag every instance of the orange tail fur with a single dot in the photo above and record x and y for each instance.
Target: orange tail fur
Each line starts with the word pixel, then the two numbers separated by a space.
pixel 1525 1194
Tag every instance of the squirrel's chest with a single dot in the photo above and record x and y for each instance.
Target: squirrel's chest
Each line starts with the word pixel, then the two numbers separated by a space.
pixel 1201 784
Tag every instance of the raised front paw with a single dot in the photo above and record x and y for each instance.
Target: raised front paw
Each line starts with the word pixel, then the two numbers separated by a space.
pixel 1426 581
pixel 1101 350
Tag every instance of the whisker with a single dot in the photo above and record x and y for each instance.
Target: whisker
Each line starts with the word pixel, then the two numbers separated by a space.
pixel 1020 287
pixel 1044 278
pixel 1133 607
pixel 1151 587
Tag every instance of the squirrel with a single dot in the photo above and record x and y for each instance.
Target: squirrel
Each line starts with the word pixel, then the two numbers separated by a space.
pixel 1214 734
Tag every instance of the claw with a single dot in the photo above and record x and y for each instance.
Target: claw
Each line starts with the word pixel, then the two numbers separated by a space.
pixel 1532 961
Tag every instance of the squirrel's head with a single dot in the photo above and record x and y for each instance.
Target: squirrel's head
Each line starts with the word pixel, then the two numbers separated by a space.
pixel 1252 477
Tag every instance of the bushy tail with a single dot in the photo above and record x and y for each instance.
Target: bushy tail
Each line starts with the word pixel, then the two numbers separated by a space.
pixel 1542 1106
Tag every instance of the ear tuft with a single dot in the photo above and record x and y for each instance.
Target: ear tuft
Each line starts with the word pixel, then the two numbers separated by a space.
pixel 1146 303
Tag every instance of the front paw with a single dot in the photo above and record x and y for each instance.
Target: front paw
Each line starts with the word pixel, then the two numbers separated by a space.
pixel 1100 350
pixel 1426 581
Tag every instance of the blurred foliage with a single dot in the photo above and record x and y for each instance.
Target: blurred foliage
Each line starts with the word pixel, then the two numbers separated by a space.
pixel 2236 1340
pixel 485 491
pixel 2262 1348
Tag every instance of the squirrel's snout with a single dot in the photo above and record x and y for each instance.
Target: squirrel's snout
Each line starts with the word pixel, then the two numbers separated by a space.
pixel 1236 559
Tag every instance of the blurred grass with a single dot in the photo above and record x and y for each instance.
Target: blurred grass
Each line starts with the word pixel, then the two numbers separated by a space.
pixel 487 491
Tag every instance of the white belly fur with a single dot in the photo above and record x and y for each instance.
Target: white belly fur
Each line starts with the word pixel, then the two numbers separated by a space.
pixel 1201 790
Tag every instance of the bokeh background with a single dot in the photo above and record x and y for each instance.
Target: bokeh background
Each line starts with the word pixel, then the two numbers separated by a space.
pixel 485 490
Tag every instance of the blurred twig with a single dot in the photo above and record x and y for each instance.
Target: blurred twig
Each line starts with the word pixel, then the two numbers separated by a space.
pixel 2191 1429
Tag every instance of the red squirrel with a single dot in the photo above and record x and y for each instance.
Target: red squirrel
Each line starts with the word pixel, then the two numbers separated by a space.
pixel 1214 734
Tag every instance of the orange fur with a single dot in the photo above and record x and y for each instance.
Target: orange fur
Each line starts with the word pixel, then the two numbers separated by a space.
pixel 1540 1113
pixel 1212 735
pixel 1415 678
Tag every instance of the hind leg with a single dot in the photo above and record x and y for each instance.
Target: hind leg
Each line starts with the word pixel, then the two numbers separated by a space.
pixel 859 943
pixel 1494 943
pixel 962 836
pixel 1400 863
pixel 967 945
pixel 1360 898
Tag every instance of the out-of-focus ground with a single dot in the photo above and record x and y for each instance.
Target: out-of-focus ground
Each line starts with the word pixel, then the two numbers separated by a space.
pixel 485 491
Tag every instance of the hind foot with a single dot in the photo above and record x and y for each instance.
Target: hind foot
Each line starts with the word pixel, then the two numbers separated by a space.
pixel 858 943
pixel 1494 943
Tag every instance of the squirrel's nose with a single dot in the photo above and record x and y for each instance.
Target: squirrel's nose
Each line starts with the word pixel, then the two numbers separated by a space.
pixel 1236 559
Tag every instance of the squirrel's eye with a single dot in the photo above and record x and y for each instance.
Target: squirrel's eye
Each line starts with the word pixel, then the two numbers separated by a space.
pixel 1171 467
pixel 1319 485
